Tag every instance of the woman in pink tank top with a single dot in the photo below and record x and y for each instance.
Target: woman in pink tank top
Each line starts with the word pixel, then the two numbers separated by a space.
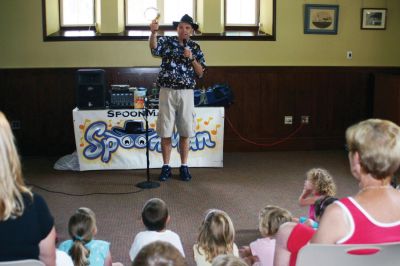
pixel 373 214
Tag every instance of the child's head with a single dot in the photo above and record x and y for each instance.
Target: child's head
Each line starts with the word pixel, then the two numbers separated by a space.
pixel 216 234
pixel 321 204
pixel 159 253
pixel 270 218
pixel 228 260
pixel 81 228
pixel 321 181
pixel 155 214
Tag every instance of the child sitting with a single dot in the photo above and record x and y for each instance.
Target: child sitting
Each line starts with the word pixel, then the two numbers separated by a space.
pixel 228 260
pixel 159 253
pixel 155 217
pixel 83 248
pixel 291 237
pixel 216 237
pixel 318 183
pixel 263 249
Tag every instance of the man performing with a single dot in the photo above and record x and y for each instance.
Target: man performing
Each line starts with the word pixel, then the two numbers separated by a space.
pixel 182 60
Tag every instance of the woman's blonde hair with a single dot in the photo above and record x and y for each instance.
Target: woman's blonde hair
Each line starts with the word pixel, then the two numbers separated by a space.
pixel 378 145
pixel 12 184
pixel 322 181
pixel 270 218
pixel 81 228
pixel 216 234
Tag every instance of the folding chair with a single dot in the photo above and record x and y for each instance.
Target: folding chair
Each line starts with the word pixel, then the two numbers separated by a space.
pixel 29 262
pixel 387 254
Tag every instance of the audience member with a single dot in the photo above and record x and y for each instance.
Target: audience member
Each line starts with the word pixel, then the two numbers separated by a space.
pixel 155 217
pixel 291 236
pixel 63 259
pixel 374 156
pixel 216 236
pixel 82 247
pixel 319 208
pixel 26 225
pixel 159 253
pixel 318 183
pixel 263 249
pixel 228 260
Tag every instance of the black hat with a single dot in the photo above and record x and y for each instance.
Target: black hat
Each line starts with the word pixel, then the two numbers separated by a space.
pixel 131 127
pixel 186 19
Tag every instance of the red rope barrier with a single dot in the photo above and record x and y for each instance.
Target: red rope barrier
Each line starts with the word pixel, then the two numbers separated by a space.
pixel 266 144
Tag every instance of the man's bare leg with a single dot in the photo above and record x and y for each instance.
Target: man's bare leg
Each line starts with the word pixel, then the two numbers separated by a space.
pixel 184 152
pixel 166 154
pixel 166 149
pixel 184 149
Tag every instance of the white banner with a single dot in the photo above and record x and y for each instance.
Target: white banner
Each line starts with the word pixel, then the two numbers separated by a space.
pixel 116 139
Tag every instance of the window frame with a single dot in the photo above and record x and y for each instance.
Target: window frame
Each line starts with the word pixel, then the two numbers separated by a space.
pixel 160 3
pixel 76 26
pixel 142 33
pixel 238 26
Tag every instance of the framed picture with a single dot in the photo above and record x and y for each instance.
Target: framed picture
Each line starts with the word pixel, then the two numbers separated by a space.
pixel 321 19
pixel 373 18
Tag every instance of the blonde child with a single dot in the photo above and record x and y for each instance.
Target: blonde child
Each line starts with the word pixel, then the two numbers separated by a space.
pixel 228 260
pixel 216 236
pixel 263 249
pixel 83 248
pixel 318 183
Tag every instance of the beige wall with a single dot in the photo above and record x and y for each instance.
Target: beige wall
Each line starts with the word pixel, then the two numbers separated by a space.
pixel 22 45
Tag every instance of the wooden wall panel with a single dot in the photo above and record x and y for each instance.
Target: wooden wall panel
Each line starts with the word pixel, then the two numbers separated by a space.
pixel 334 98
pixel 387 97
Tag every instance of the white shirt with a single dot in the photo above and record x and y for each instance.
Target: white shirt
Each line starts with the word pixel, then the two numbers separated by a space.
pixel 147 237
pixel 63 259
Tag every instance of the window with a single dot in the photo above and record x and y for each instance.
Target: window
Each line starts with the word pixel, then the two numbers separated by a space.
pixel 170 10
pixel 74 20
pixel 241 12
pixel 77 13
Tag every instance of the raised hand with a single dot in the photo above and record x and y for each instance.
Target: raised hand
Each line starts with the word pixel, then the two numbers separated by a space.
pixel 154 26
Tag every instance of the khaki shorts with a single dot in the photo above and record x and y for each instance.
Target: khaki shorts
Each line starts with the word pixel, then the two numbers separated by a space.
pixel 176 107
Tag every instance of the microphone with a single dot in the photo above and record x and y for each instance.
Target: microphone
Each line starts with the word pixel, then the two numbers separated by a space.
pixel 185 46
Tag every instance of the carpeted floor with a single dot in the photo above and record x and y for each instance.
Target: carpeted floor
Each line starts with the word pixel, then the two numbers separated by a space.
pixel 246 183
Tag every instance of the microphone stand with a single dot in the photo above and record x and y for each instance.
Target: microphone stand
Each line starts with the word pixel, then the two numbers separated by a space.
pixel 147 184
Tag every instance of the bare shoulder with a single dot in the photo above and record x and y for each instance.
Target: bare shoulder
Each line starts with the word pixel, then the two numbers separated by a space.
pixel 286 227
pixel 334 217
pixel 283 233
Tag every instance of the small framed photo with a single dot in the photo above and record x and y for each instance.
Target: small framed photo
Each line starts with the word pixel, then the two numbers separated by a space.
pixel 373 18
pixel 321 19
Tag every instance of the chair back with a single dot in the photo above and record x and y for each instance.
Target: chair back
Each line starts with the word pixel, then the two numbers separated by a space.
pixel 29 262
pixel 387 254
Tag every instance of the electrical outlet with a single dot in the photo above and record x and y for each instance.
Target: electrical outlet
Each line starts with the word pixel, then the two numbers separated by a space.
pixel 349 55
pixel 15 124
pixel 305 119
pixel 288 120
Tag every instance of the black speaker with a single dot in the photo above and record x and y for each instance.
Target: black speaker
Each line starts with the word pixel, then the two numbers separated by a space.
pixel 90 89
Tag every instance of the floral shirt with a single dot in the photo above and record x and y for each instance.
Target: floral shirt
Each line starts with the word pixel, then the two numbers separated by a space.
pixel 177 71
